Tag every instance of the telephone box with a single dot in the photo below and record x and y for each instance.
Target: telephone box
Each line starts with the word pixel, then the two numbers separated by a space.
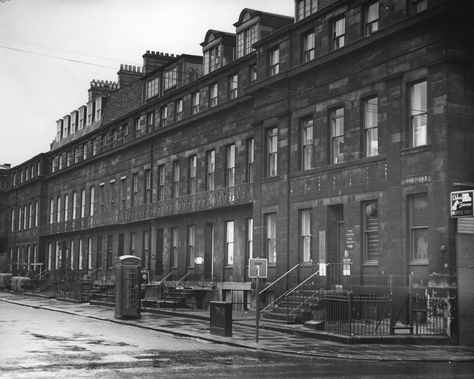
pixel 127 286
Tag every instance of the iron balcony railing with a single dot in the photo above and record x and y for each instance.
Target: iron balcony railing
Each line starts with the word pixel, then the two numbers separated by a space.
pixel 222 197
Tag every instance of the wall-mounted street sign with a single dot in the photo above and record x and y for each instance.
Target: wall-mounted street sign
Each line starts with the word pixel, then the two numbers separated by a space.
pixel 462 203
pixel 258 267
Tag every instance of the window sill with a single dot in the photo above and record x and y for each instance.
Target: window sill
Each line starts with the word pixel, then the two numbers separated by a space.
pixel 229 267
pixel 370 264
pixel 421 262
pixel 270 179
pixel 416 150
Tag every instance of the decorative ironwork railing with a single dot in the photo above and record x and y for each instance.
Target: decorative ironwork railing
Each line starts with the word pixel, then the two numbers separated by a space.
pixel 223 197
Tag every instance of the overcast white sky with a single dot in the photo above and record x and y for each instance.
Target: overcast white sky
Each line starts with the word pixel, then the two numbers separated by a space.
pixel 50 50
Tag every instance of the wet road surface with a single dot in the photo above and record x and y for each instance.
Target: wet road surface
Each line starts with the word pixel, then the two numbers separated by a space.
pixel 37 343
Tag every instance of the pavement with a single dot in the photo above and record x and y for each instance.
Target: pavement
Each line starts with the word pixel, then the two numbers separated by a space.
pixel 196 325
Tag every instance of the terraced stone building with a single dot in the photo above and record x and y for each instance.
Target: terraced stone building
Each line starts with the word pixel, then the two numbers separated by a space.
pixel 329 141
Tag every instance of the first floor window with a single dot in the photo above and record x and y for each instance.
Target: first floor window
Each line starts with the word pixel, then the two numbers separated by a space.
pixel 272 152
pixel 161 182
pixel 270 237
pixel 192 185
pixel 371 127
pixel 418 114
pixel 307 144
pixel 229 242
pixel 230 166
pixel 337 135
pixel 210 170
pixel 176 178
pixel 419 216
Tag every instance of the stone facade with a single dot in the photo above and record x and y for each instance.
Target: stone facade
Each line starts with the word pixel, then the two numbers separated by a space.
pixel 375 207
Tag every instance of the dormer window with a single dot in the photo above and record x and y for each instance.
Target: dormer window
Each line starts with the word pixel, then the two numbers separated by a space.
pixel 90 113
pixel 98 108
pixel 74 122
pixel 152 88
pixel 245 39
pixel 170 78
pixel 212 59
pixel 305 8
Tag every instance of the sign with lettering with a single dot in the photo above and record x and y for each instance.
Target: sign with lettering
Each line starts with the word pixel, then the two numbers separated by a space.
pixel 258 267
pixel 350 239
pixel 462 203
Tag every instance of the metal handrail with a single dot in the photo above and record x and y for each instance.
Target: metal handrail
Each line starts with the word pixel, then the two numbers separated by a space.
pixel 166 276
pixel 184 277
pixel 285 294
pixel 281 277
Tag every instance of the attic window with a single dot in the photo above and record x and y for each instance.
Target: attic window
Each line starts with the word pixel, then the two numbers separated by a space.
pixel 212 58
pixel 305 8
pixel 152 88
pixel 245 39
pixel 170 78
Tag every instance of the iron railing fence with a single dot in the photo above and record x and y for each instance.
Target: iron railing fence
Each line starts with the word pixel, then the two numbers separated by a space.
pixel 356 315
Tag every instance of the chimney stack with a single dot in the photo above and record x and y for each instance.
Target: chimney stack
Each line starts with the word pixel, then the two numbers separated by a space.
pixel 128 74
pixel 153 60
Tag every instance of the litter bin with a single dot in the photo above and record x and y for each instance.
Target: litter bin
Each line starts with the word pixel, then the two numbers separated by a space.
pixel 127 286
pixel 221 318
